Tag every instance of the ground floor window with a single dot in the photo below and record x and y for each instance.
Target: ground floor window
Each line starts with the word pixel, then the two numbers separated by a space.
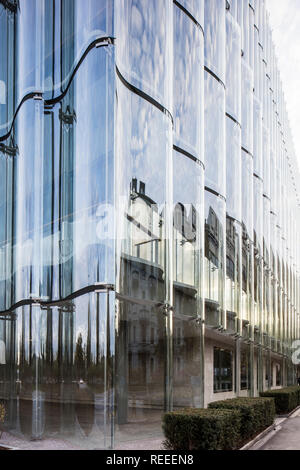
pixel 245 370
pixel 223 370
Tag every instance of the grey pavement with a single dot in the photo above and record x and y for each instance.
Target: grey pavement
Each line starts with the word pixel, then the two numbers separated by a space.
pixel 288 436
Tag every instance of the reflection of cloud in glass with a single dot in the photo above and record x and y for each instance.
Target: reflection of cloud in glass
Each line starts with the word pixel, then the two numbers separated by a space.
pixel 143 45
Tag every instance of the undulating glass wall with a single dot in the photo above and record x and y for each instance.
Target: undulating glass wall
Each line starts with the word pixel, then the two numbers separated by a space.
pixel 149 214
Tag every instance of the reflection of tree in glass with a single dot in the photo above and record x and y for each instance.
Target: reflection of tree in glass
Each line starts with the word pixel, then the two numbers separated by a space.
pixel 79 357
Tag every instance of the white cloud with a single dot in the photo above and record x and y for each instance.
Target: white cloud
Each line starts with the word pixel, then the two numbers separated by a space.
pixel 285 23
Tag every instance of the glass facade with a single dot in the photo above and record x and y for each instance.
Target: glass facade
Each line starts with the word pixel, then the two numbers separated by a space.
pixel 149 214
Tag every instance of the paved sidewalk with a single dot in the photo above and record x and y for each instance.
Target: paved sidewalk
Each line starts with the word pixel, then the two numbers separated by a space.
pixel 288 437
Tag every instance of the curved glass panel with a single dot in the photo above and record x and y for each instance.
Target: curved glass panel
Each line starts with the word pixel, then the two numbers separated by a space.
pixel 214 265
pixel 233 271
pixel 247 193
pixel 195 8
pixel 233 223
pixel 63 214
pixel 62 372
pixel 233 68
pixel 142 191
pixel 7 67
pixel 27 207
pixel 233 170
pixel 142 167
pixel 258 252
pixel 215 37
pixel 257 139
pixel 188 85
pixel 144 46
pixel 247 107
pixel 258 213
pixel 214 131
pixel 266 161
pixel 247 220
pixel 6 230
pixel 30 45
pixel 188 282
pixel 187 246
pixel 61 30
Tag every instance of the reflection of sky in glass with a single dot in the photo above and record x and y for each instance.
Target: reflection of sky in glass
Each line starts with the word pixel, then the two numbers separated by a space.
pixel 143 144
pixel 214 131
pixel 233 68
pixel 247 107
pixel 195 7
pixel 143 40
pixel 188 58
pixel 214 50
pixel 233 169
pixel 247 193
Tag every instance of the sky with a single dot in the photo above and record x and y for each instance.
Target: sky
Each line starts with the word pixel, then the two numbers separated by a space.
pixel 285 23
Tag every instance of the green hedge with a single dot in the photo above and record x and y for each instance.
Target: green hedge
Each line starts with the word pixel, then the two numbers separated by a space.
pixel 199 429
pixel 256 414
pixel 286 399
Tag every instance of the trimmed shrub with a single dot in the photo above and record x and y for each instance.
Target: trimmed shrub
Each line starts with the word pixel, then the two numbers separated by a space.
pixel 201 429
pixel 256 414
pixel 286 399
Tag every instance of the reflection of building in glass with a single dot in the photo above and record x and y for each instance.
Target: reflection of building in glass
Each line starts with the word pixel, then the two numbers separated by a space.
pixel 149 214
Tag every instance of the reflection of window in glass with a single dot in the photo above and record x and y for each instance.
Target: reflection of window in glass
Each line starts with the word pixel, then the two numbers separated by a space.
pixel 223 380
pixel 245 370
pixel 278 375
pixel 152 336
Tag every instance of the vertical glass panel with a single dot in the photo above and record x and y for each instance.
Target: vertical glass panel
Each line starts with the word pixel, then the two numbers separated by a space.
pixel 266 161
pixel 6 227
pixel 143 199
pixel 247 107
pixel 140 369
pixel 30 46
pixel 214 131
pixel 233 222
pixel 142 192
pixel 245 369
pixel 233 68
pixel 188 295
pixel 233 170
pixel 93 174
pixel 145 45
pixel 247 221
pixel 233 270
pixel 27 209
pixel 214 271
pixel 257 139
pixel 188 84
pixel 247 193
pixel 214 51
pixel 7 67
pixel 77 195
pixel 60 31
pixel 94 19
pixel 195 8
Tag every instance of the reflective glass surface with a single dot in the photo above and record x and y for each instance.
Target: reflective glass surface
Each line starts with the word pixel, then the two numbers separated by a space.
pixel 144 46
pixel 215 33
pixel 188 85
pixel 214 266
pixel 61 371
pixel 233 68
pixel 214 132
